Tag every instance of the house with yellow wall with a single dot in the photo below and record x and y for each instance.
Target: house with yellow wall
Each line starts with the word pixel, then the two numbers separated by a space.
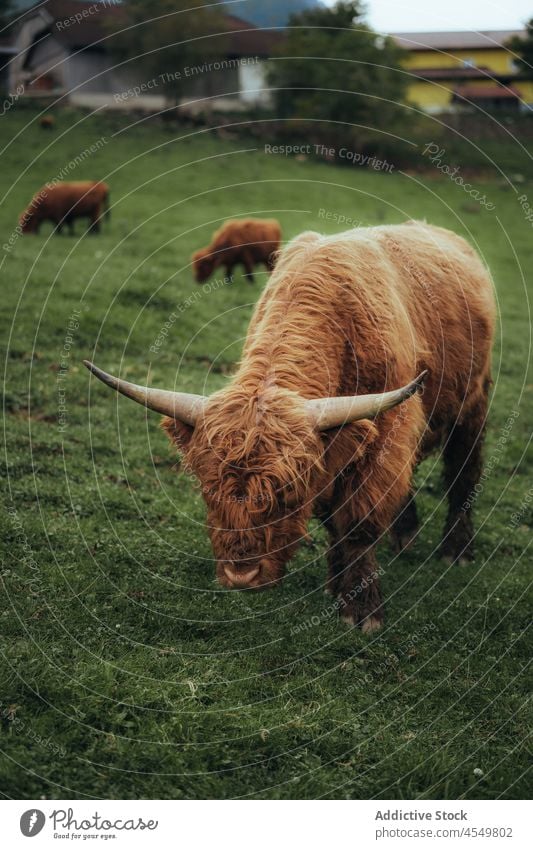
pixel 464 70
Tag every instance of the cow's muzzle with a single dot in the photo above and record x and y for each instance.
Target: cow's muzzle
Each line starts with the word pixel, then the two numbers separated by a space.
pixel 240 579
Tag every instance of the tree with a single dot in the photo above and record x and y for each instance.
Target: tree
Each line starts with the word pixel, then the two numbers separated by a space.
pixel 269 13
pixel 524 48
pixel 334 67
pixel 165 37
pixel 6 11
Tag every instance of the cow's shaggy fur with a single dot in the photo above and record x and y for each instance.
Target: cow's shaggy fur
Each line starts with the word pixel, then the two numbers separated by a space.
pixel 62 203
pixel 363 311
pixel 246 241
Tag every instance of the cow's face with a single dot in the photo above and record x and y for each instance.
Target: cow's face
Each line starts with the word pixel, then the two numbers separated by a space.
pixel 259 452
pixel 28 222
pixel 259 474
pixel 203 265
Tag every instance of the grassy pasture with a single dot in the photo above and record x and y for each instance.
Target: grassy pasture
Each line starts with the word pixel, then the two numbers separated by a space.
pixel 126 672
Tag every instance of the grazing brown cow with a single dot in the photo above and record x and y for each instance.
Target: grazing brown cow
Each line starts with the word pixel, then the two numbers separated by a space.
pixel 246 241
pixel 62 203
pixel 47 122
pixel 310 420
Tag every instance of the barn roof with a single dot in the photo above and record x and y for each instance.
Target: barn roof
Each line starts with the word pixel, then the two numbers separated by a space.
pixel 467 40
pixel 245 39
pixel 6 48
pixel 57 18
pixel 93 30
pixel 493 92
pixel 481 72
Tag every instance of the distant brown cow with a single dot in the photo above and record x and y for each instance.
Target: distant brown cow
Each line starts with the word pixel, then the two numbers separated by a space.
pixel 62 203
pixel 246 241
pixel 47 122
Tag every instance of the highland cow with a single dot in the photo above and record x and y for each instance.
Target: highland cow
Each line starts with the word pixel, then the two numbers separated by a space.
pixel 47 122
pixel 246 241
pixel 62 203
pixel 313 421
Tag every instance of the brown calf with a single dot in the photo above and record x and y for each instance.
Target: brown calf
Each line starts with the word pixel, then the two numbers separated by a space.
pixel 246 241
pixel 62 203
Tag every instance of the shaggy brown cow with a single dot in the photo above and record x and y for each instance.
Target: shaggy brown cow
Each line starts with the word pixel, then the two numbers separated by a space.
pixel 248 241
pixel 62 203
pixel 295 432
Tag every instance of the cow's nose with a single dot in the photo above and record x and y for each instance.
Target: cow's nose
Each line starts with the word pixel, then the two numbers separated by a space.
pixel 240 579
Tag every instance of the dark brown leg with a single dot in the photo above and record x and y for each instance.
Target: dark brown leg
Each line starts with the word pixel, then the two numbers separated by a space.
pixel 248 266
pixel 462 471
pixel 334 556
pixel 405 526
pixel 95 220
pixel 357 585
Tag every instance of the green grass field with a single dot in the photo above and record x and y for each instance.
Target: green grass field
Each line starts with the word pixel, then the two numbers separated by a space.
pixel 126 672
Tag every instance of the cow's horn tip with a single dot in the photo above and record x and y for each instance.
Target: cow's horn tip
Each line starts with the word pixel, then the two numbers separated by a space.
pixel 420 380
pixel 92 368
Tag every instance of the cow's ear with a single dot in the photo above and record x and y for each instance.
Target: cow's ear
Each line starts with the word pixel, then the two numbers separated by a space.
pixel 179 433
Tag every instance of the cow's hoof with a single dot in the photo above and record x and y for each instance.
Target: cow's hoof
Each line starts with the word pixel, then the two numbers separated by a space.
pixel 465 561
pixel 403 542
pixel 371 625
pixel 348 620
pixel 459 560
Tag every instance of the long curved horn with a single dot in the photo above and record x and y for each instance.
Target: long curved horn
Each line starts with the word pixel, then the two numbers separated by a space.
pixel 178 405
pixel 333 412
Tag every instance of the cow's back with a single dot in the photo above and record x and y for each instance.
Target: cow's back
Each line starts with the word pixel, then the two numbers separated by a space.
pixel 247 231
pixel 382 304
pixel 448 294
pixel 80 196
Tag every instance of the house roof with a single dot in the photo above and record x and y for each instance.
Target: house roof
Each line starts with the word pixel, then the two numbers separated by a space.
pixel 493 92
pixel 6 48
pixel 467 40
pixel 59 17
pixel 452 73
pixel 245 39
pixel 242 39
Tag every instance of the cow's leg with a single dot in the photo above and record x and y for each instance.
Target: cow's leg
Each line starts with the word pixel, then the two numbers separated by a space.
pixel 405 526
pixel 248 263
pixel 462 471
pixel 357 585
pixel 334 555
pixel 95 221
